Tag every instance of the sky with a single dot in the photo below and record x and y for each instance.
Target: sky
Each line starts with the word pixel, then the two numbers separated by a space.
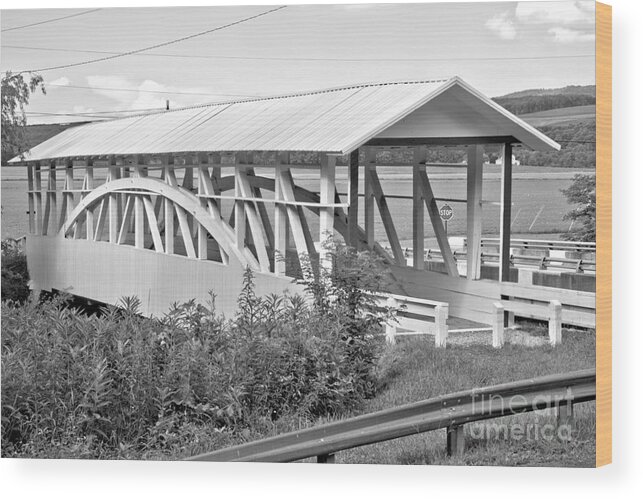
pixel 498 47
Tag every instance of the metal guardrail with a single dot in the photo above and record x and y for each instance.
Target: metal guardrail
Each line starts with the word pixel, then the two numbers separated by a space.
pixel 448 411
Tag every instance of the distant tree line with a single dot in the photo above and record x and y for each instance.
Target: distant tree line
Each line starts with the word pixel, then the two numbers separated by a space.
pixel 536 103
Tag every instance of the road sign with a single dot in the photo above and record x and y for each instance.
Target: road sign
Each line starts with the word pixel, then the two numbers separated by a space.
pixel 446 212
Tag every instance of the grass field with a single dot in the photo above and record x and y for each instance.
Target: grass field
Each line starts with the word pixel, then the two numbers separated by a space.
pixel 538 204
pixel 560 115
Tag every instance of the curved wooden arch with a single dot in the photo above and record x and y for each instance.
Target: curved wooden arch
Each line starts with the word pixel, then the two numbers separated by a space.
pixel 216 227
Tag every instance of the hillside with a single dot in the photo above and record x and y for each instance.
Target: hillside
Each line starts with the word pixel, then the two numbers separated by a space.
pixel 563 115
pixel 568 90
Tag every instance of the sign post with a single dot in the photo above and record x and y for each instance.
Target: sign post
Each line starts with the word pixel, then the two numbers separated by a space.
pixel 446 214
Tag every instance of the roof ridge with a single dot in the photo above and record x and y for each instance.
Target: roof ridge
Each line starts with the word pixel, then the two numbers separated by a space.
pixel 279 96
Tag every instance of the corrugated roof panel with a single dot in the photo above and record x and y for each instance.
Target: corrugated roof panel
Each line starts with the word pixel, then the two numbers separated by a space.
pixel 335 120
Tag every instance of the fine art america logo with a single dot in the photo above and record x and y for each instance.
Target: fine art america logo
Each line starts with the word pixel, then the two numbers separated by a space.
pixel 510 429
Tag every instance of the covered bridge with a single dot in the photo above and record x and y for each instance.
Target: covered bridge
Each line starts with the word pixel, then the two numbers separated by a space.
pixel 171 205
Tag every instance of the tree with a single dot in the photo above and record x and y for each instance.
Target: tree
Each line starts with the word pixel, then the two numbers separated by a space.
pixel 582 193
pixel 16 91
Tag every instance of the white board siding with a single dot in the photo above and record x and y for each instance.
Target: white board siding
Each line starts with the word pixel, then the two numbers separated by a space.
pixel 107 272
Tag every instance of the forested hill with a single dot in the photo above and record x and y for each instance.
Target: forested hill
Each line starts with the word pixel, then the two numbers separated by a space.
pixel 533 101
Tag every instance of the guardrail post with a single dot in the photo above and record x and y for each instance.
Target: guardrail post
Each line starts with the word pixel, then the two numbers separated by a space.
pixel 565 418
pixel 441 328
pixel 326 459
pixel 555 322
pixel 498 339
pixel 455 440
pixel 391 329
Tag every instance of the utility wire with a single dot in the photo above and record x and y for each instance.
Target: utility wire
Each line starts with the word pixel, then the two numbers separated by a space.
pixel 51 20
pixel 299 59
pixel 60 85
pixel 151 47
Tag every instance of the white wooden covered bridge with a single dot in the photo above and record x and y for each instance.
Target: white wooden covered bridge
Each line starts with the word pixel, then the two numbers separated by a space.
pixel 171 205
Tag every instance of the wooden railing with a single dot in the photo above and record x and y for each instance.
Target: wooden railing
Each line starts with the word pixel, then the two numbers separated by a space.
pixel 451 412
pixel 417 316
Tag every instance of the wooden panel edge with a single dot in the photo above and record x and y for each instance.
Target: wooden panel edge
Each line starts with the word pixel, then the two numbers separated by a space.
pixel 603 234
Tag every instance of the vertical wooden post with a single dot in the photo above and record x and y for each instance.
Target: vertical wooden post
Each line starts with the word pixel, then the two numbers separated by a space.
pixel 455 440
pixel 391 328
pixel 239 210
pixel 169 209
pixel 505 212
pixel 498 325
pixel 139 215
pixel 202 235
pixel 474 210
pixel 326 213
pixel 353 200
pixel 114 222
pixel 30 198
pixel 89 185
pixel 38 198
pixel 67 196
pixel 441 328
pixel 50 203
pixel 281 219
pixel 555 322
pixel 419 169
pixel 369 198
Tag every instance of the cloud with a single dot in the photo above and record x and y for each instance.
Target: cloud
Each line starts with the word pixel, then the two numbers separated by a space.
pixel 565 35
pixel 579 12
pixel 502 25
pixel 147 94
pixel 63 81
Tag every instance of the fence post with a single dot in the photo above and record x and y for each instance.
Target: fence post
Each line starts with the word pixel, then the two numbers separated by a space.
pixel 555 322
pixel 565 417
pixel 455 440
pixel 441 328
pixel 326 459
pixel 498 339
pixel 391 328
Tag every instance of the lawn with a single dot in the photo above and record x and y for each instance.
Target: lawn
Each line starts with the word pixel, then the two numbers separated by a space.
pixel 415 370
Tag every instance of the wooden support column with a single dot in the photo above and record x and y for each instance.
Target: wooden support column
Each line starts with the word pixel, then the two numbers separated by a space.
pixel 50 203
pixel 114 222
pixel 168 216
pixel 353 200
pixel 419 170
pixel 239 209
pixel 326 213
pixel 474 210
pixel 139 214
pixel 202 235
pixel 505 212
pixel 67 197
pixel 369 199
pixel 281 221
pixel 30 198
pixel 38 198
pixel 88 185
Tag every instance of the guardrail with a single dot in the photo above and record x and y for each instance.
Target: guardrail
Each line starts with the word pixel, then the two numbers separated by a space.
pixel 451 412
pixel 418 316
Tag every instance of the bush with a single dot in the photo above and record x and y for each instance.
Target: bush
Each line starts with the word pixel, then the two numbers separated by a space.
pixel 121 385
pixel 15 276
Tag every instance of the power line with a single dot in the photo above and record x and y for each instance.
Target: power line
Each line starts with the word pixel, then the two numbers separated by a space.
pixel 300 59
pixel 51 20
pixel 158 45
pixel 60 85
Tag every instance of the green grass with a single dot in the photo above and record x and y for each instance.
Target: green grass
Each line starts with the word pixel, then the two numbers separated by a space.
pixel 415 370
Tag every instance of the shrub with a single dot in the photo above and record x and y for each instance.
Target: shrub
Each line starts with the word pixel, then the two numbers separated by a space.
pixel 15 277
pixel 121 385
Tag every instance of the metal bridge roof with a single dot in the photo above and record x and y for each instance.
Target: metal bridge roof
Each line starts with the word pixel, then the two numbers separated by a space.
pixel 334 121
